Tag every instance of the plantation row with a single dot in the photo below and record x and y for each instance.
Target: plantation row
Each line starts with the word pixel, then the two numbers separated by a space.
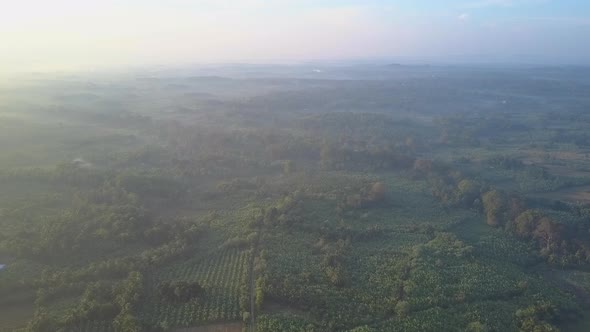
pixel 221 277
pixel 384 268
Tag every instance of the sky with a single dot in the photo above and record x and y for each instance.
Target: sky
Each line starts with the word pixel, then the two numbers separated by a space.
pixel 43 35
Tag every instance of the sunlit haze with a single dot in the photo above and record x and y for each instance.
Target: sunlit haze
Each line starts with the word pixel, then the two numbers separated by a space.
pixel 70 34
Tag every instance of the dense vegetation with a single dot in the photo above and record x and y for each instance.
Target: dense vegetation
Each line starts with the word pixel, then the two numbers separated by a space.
pixel 418 199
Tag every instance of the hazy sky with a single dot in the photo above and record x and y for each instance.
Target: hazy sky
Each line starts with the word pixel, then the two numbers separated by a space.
pixel 73 34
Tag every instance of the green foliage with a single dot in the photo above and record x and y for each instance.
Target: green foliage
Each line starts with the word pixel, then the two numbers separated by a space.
pixel 221 277
pixel 42 322
pixel 179 291
pixel 537 318
pixel 259 293
pixel 447 244
pixel 494 207
pixel 402 309
pixel 287 323
pixel 118 216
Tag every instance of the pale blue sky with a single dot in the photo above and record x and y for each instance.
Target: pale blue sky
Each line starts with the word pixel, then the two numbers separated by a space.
pixel 71 34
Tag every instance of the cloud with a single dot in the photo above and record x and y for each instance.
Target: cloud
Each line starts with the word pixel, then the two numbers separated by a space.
pixel 492 3
pixel 562 21
pixel 463 17
pixel 501 3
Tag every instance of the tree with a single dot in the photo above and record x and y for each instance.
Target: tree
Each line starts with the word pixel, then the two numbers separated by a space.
pixel 42 322
pixel 547 233
pixel 469 191
pixel 402 309
pixel 494 207
pixel 335 274
pixel 477 327
pixel 259 293
pixel 180 291
pixel 524 224
pixel 127 322
pixel 537 318
pixel 378 192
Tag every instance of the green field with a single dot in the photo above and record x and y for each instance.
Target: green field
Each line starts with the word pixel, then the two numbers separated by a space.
pixel 273 203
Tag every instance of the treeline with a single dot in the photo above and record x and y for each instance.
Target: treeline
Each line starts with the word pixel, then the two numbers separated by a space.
pixel 348 141
pixel 99 221
pixel 561 244
pixel 101 301
pixel 108 221
pixel 185 154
